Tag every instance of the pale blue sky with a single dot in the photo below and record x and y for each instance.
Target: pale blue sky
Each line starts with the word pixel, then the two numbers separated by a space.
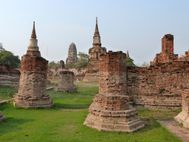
pixel 134 25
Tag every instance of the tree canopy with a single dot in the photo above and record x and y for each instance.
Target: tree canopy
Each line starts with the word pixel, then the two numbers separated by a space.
pixel 54 65
pixel 9 59
pixel 130 62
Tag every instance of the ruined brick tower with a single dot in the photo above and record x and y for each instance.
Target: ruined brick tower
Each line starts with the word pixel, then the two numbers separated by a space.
pixel 110 110
pixel 72 54
pixel 94 55
pixel 32 85
pixel 167 53
pixel 66 81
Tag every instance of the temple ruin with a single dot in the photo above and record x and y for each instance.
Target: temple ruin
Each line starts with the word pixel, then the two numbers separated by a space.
pixel 92 73
pixel 72 54
pixel 32 85
pixel 167 53
pixel 160 85
pixel 111 109
pixel 65 79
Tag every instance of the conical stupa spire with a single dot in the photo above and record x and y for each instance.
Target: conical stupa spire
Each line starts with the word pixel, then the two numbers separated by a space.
pixel 33 35
pixel 96 28
pixel 33 46
pixel 96 37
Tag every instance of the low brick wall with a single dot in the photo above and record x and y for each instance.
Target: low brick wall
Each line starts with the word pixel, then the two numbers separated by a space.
pixel 159 86
pixel 9 76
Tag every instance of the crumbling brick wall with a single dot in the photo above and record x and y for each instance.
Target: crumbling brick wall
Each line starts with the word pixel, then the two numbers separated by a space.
pixel 159 86
pixel 9 76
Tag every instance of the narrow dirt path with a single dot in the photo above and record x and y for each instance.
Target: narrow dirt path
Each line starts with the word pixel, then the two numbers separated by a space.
pixel 176 129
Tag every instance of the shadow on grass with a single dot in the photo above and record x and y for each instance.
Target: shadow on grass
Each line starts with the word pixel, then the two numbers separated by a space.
pixel 70 106
pixel 4 106
pixel 11 124
pixel 150 123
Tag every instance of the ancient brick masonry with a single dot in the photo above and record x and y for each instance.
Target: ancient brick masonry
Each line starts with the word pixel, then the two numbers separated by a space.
pixel 110 110
pixel 159 86
pixel 92 74
pixel 66 81
pixel 167 53
pixel 9 76
pixel 32 85
pixel 183 117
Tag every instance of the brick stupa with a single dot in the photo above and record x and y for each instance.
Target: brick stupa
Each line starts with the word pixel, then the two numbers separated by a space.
pixel 111 110
pixel 183 116
pixel 92 73
pixel 66 80
pixel 32 85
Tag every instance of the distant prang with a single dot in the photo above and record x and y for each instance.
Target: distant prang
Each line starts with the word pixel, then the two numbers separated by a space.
pixel 72 54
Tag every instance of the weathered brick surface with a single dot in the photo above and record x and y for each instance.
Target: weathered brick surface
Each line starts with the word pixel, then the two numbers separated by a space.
pixel 33 79
pixel 34 64
pixel 159 86
pixel 111 109
pixel 183 116
pixel 66 81
pixel 167 53
pixel 32 86
pixel 92 74
pixel 9 76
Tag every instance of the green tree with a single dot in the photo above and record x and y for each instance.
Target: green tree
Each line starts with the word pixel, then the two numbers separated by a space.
pixel 130 62
pixel 82 60
pixel 54 65
pixel 7 58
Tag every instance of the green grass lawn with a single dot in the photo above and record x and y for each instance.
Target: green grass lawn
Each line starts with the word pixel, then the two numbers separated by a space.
pixel 64 122
pixel 6 92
